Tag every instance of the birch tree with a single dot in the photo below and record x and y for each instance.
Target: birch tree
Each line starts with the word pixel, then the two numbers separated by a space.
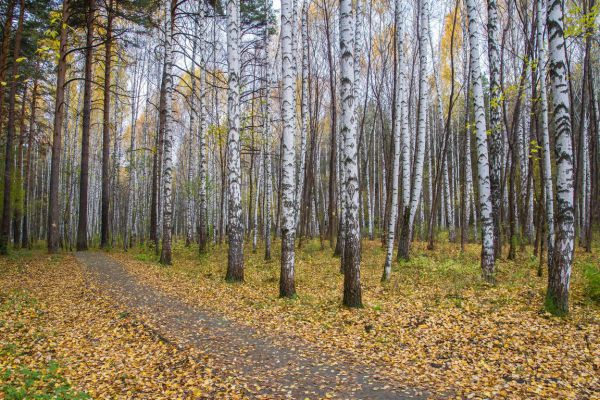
pixel 410 209
pixel 351 258
pixel 546 162
pixel 559 272
pixel 398 133
pixel 235 232
pixel 202 156
pixel 485 202
pixel 288 222
pixel 496 141
pixel 165 255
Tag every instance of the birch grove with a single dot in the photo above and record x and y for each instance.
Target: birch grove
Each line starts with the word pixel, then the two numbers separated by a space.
pixel 349 124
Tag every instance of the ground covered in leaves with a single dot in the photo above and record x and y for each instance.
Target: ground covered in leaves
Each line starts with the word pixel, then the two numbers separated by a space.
pixel 436 325
pixel 61 338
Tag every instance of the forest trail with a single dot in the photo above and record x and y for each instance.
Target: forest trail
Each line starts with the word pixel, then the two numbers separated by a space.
pixel 274 371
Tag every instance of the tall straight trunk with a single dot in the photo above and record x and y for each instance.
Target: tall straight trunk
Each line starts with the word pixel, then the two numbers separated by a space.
pixel 156 162
pixel 167 169
pixel 202 157
pixel 53 202
pixel 235 261
pixel 288 225
pixel 255 227
pixel 25 242
pixel 496 142
pixel 417 183
pixel 559 273
pixel 332 204
pixel 189 226
pixel 351 258
pixel 485 202
pixel 4 50
pixel 10 133
pixel 301 173
pixel 268 180
pixel 546 162
pixel 82 243
pixel 443 154
pixel 391 228
pixel 18 206
pixel 105 203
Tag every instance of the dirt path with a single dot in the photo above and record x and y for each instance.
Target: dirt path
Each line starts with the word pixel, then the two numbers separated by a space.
pixel 271 371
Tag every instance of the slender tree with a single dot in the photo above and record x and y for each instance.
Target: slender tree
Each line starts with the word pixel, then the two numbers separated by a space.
pixel 496 141
pixel 82 232
pixel 235 261
pixel 559 272
pixel 485 202
pixel 351 258
pixel 53 202
pixel 165 255
pixel 546 162
pixel 10 133
pixel 410 209
pixel 288 223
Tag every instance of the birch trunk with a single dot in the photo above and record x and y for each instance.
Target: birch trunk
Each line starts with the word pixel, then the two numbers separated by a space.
pixel 165 255
pixel 546 164
pixel 391 228
pixel 288 216
pixel 410 210
pixel 351 259
pixel 235 261
pixel 559 273
pixel 485 202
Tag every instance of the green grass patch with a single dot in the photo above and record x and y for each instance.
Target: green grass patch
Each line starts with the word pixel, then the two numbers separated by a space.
pixel 45 383
pixel 591 274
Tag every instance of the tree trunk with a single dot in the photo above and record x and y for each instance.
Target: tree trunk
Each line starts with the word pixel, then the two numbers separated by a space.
pixel 417 183
pixel 235 261
pixel 53 203
pixel 165 255
pixel 105 204
pixel 485 202
pixel 391 228
pixel 351 259
pixel 288 226
pixel 559 273
pixel 82 243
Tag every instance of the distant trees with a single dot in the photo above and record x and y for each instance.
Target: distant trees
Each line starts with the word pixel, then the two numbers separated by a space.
pixel 330 124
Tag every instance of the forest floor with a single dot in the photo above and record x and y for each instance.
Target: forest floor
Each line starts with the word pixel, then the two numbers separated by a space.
pixel 434 327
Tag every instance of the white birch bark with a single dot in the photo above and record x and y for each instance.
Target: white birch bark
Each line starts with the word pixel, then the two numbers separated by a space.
pixel 202 156
pixel 235 261
pixel 391 228
pixel 303 111
pixel 256 202
pixel 288 219
pixel 559 275
pixel 487 252
pixel 496 141
pixel 546 162
pixel 351 258
pixel 165 256
pixel 417 183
